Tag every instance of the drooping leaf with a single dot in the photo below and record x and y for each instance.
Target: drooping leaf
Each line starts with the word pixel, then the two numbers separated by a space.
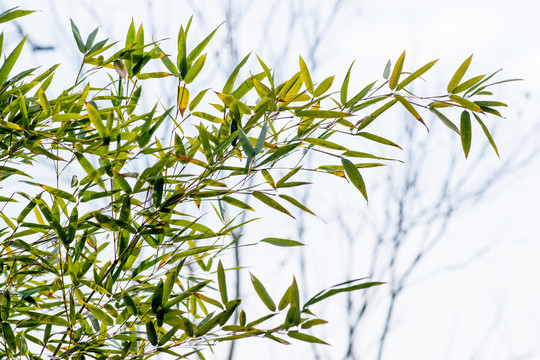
pixel 305 337
pixel 183 99
pixel 488 135
pixel 263 294
pixel 445 120
pixel 222 283
pixel 355 177
pixel 466 132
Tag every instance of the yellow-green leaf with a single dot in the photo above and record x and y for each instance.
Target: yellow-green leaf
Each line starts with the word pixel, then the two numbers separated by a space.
pixel 396 73
pixel 183 99
pixel 407 105
pixel 415 75
pixel 458 75
pixel 306 76
pixel 466 103
pixel 325 143
pixel 323 86
pixel 281 242
pixel 354 176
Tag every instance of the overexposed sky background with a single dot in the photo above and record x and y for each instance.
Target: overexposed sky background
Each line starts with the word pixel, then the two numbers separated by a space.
pixel 457 305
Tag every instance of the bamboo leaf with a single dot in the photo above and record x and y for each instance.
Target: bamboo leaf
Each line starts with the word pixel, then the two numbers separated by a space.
pixel 378 139
pixel 157 296
pixel 270 202
pixel 305 337
pixel 322 114
pixel 354 176
pixel 386 71
pixel 227 89
pixel 467 84
pixel 296 203
pixel 222 283
pixel 306 76
pixel 466 103
pixel 77 36
pixel 345 86
pixel 396 73
pixel 458 75
pixel 46 319
pixel 237 203
pixel 488 135
pixel 263 294
pixel 183 99
pixel 323 86
pixel 10 62
pixel 466 133
pixel 415 75
pixel 407 105
pixel 281 242
pixel 195 69
pixel 325 143
pixel 333 291
pixel 369 119
pixel 99 314
pixel 445 120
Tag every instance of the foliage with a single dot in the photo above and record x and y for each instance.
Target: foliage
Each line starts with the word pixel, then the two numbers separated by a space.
pixel 111 255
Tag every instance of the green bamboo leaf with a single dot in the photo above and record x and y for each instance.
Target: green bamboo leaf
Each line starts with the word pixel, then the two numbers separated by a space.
pixel 11 14
pixel 263 294
pixel 458 75
pixel 237 203
pixel 306 76
pixel 466 103
pixel 305 337
pixel 378 139
pixel 310 323
pixel 96 120
pixel 282 151
pixel 270 202
pixel 354 176
pixel 57 192
pixel 222 283
pixel 77 36
pixel 445 120
pixel 267 72
pixel 345 86
pixel 325 143
pixel 369 119
pixel 396 73
pixel 488 135
pixel 227 89
pixel 296 203
pixel 408 106
pixel 200 47
pixel 90 39
pixel 281 242
pixel 9 336
pixel 157 296
pixel 10 62
pixel 196 100
pixel 46 319
pixel 334 290
pixel 466 133
pixel 322 114
pixel 99 314
pixel 323 86
pixel 415 75
pixel 128 301
pixel 195 69
pixel 356 98
pixel 467 84
pixel 181 59
pixel 5 305
pixel 151 333
pixel 92 285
